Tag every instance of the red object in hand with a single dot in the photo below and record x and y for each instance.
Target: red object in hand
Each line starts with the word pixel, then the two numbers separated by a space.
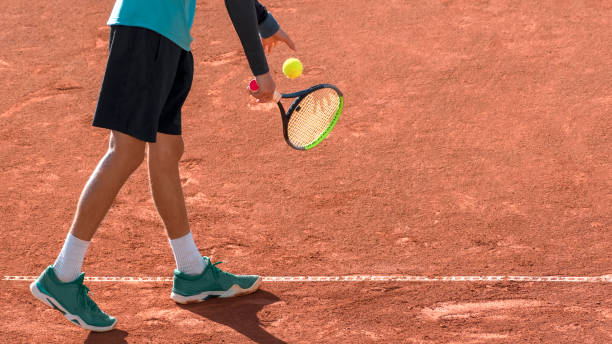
pixel 253 85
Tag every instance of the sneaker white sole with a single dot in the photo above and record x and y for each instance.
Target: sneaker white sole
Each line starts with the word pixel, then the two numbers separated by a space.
pixel 233 291
pixel 51 302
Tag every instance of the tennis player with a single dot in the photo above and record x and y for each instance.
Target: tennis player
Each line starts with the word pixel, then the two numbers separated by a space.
pixel 147 79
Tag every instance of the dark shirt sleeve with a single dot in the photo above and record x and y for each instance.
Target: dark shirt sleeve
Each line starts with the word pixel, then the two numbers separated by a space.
pixel 244 17
pixel 262 12
pixel 267 24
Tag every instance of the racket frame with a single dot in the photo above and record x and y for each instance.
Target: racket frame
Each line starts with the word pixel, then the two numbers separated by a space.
pixel 286 115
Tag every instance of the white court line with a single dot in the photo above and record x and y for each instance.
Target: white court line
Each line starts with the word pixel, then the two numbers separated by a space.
pixel 364 278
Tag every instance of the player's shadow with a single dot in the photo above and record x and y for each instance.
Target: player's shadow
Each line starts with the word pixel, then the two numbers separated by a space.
pixel 239 313
pixel 111 337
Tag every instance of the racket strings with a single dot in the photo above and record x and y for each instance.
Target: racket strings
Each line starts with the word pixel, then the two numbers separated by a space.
pixel 312 116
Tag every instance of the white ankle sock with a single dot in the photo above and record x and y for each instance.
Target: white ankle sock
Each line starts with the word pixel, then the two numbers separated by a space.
pixel 68 264
pixel 187 256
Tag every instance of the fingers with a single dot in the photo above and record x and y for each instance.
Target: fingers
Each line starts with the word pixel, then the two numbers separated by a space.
pixel 261 96
pixel 274 98
pixel 266 89
pixel 269 44
pixel 272 41
pixel 285 38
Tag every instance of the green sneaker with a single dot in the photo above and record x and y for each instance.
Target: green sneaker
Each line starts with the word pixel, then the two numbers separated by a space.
pixel 72 300
pixel 213 282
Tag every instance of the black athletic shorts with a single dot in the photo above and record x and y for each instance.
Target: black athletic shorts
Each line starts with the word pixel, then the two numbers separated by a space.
pixel 146 82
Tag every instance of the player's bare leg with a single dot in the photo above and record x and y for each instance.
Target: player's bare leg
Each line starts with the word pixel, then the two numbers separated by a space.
pixel 61 285
pixel 165 181
pixel 167 191
pixel 197 279
pixel 124 155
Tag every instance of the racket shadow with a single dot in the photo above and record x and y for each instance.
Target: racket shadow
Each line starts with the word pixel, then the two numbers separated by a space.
pixel 239 313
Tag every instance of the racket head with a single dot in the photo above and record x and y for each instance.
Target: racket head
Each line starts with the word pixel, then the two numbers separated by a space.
pixel 312 115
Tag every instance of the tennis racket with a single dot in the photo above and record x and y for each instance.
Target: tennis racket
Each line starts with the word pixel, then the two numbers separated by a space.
pixel 312 115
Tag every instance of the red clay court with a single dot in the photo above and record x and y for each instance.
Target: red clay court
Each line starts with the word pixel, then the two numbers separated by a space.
pixel 475 141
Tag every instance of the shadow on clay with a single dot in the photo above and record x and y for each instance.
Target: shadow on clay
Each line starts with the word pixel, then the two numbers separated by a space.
pixel 239 313
pixel 111 337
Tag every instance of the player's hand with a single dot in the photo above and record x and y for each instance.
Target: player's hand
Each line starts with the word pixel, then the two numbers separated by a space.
pixel 272 41
pixel 266 89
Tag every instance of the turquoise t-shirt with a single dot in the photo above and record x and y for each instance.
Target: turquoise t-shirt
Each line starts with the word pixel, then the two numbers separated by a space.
pixel 175 23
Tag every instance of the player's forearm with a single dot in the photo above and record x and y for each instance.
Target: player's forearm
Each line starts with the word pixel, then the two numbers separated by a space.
pixel 244 17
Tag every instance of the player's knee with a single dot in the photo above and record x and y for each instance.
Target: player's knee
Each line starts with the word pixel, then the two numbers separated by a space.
pixel 130 153
pixel 167 150
pixel 130 157
pixel 170 152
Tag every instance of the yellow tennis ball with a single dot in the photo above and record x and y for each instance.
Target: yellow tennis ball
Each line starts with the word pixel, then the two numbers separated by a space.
pixel 292 68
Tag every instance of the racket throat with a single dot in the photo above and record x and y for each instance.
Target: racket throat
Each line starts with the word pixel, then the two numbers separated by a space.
pixel 285 120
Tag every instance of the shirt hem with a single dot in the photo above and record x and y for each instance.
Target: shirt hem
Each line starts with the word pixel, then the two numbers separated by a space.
pixel 169 35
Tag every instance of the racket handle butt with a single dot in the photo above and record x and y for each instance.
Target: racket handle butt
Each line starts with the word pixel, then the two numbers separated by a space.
pixel 253 85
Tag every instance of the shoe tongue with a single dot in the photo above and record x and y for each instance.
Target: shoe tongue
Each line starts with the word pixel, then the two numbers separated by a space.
pixel 206 261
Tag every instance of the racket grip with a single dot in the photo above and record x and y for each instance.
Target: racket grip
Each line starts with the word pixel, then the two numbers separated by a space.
pixel 277 96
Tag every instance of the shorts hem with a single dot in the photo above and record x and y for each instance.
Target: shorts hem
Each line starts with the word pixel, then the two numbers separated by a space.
pixel 170 132
pixel 125 131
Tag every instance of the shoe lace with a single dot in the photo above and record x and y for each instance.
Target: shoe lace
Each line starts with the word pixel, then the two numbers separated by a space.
pixel 86 300
pixel 216 271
